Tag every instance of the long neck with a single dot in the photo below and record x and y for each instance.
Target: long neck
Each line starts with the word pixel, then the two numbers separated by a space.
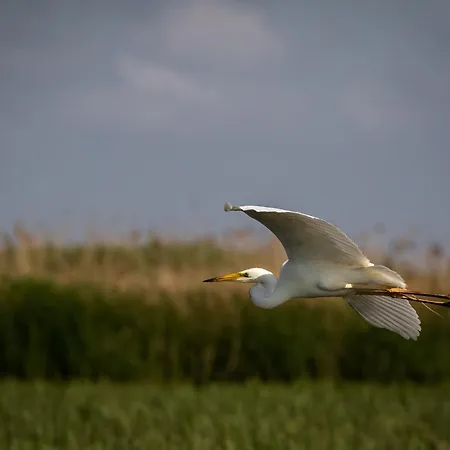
pixel 265 294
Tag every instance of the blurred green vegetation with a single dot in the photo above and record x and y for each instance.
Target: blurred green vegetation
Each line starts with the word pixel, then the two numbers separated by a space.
pixel 52 331
pixel 305 415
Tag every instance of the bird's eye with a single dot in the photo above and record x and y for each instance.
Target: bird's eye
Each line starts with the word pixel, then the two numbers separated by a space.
pixel 245 274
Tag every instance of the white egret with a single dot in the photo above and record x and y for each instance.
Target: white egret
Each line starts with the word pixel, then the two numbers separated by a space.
pixel 324 262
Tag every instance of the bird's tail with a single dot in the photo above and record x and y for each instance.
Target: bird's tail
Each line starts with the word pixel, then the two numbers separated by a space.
pixel 411 295
pixel 378 275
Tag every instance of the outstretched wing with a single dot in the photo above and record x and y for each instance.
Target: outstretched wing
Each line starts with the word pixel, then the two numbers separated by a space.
pixel 394 314
pixel 306 237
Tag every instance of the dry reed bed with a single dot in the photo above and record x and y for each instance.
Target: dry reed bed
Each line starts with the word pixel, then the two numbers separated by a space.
pixel 148 263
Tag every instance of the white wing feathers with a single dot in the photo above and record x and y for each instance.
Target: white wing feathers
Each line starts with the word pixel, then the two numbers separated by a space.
pixel 306 237
pixel 394 314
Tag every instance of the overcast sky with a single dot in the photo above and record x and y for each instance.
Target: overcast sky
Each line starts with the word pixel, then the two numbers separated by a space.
pixel 153 114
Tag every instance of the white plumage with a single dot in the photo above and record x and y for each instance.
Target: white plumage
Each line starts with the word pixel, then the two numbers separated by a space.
pixel 324 262
pixel 306 237
pixel 395 314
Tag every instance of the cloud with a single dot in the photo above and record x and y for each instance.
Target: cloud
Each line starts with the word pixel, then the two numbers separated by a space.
pixel 157 80
pixel 148 95
pixel 164 77
pixel 221 32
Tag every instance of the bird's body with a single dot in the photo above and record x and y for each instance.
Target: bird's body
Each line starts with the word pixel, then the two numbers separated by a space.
pixel 324 262
pixel 312 279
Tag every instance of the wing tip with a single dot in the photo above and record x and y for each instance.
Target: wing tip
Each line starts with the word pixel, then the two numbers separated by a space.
pixel 229 207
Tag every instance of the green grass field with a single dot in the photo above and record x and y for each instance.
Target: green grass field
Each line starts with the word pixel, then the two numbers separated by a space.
pixel 306 415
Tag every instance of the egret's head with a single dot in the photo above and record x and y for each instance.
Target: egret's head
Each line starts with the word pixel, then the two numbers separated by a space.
pixel 245 276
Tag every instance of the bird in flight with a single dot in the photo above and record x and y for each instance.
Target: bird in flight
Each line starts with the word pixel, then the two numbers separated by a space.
pixel 325 262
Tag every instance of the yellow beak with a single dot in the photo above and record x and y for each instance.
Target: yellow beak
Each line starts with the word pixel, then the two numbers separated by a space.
pixel 229 277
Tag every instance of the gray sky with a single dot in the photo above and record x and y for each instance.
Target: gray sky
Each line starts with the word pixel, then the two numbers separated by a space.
pixel 154 114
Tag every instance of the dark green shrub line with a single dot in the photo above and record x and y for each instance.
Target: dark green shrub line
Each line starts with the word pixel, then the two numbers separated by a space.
pixel 59 332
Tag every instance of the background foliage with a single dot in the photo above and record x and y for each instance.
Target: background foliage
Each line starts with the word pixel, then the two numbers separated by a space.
pixel 189 356
pixel 62 332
